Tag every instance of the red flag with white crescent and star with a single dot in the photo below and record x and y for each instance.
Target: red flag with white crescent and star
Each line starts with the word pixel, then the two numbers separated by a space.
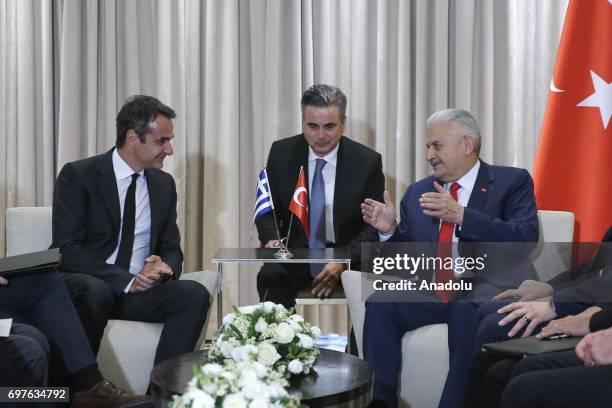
pixel 299 202
pixel 573 166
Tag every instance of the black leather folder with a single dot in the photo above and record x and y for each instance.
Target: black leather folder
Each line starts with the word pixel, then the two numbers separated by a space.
pixel 26 264
pixel 528 346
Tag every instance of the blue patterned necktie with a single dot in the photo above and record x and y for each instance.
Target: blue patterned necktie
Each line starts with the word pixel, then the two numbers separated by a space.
pixel 317 214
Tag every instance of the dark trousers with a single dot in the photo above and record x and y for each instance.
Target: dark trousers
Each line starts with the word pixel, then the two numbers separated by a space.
pixel 280 283
pixel 490 372
pixel 387 322
pixel 41 300
pixel 181 305
pixel 558 380
pixel 24 357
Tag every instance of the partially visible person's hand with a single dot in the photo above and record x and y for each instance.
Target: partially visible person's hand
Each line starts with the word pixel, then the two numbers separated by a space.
pixel 323 284
pixel 528 290
pixel 441 205
pixel 3 281
pixel 529 314
pixel 380 215
pixel 574 325
pixel 155 269
pixel 596 348
pixel 273 243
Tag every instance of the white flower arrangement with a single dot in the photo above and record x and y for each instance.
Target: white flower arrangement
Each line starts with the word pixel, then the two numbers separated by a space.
pixel 275 336
pixel 236 385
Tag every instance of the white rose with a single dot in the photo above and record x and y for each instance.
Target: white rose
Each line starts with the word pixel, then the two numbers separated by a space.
pixel 200 399
pixel 295 325
pixel 268 307
pixel 305 341
pixel 248 309
pixel 276 390
pixel 228 319
pixel 242 353
pixel 226 349
pixel 284 333
pixel 267 354
pixel 261 325
pixel 259 403
pixel 295 366
pixel 234 401
pixel 212 369
pixel 254 389
pixel 316 332
pixel 297 318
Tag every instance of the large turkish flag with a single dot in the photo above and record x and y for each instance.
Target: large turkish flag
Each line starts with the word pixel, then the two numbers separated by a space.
pixel 573 166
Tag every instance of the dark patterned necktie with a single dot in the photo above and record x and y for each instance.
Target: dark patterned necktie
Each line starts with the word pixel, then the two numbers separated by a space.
pixel 126 245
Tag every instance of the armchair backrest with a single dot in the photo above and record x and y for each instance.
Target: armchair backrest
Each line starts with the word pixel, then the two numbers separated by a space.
pixel 557 232
pixel 28 229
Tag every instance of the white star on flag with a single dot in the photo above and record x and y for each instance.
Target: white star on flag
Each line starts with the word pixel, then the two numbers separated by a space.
pixel 602 98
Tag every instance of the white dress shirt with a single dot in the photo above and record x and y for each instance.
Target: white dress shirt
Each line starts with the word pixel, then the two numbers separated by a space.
pixel 329 178
pixel 142 227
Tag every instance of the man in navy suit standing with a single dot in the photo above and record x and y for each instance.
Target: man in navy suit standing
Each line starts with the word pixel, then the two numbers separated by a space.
pixel 465 201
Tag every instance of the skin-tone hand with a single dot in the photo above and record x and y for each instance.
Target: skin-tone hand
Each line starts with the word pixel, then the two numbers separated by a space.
pixel 153 272
pixel 380 215
pixel 3 281
pixel 323 284
pixel 441 205
pixel 527 291
pixel 596 348
pixel 536 312
pixel 273 243
pixel 577 325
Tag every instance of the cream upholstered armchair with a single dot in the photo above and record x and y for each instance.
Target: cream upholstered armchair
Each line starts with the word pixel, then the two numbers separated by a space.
pixel 128 348
pixel 425 350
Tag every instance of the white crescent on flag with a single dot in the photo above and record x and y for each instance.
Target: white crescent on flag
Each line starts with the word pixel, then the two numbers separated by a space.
pixel 553 88
pixel 296 195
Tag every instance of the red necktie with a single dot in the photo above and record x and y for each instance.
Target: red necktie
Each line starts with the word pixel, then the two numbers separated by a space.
pixel 445 241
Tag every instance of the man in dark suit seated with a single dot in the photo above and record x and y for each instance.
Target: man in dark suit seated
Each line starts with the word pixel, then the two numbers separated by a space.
pixel 42 301
pixel 465 201
pixel 114 220
pixel 341 174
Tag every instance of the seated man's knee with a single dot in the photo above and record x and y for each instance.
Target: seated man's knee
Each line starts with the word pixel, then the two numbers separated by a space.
pixel 489 330
pixel 90 295
pixel 191 292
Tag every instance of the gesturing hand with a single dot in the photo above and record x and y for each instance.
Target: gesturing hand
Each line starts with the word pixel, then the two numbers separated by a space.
pixel 441 205
pixel 380 215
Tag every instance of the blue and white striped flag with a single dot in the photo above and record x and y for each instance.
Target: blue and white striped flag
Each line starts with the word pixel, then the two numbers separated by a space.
pixel 263 197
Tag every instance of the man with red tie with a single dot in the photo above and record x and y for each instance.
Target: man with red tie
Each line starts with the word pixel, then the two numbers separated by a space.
pixel 465 200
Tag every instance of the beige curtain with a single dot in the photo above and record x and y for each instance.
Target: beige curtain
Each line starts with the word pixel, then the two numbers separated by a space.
pixel 234 71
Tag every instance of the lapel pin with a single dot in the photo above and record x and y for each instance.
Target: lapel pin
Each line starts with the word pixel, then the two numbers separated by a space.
pixel 484 189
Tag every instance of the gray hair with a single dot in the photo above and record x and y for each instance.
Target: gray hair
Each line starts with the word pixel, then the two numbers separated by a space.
pixel 460 117
pixel 324 96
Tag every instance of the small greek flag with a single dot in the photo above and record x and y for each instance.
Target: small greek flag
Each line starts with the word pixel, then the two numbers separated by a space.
pixel 263 198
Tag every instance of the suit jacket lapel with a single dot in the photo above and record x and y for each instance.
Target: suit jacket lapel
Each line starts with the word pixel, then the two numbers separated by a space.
pixel 482 188
pixel 434 227
pixel 154 191
pixel 108 185
pixel 342 181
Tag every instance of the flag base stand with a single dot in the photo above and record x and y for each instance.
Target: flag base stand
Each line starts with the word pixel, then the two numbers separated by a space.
pixel 283 252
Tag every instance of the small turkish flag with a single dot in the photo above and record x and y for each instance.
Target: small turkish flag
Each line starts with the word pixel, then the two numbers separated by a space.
pixel 299 202
pixel 573 166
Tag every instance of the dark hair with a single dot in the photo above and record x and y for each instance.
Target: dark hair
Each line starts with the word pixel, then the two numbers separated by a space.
pixel 324 96
pixel 137 113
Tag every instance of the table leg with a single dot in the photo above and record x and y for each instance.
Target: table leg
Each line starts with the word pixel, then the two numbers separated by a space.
pixel 219 294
